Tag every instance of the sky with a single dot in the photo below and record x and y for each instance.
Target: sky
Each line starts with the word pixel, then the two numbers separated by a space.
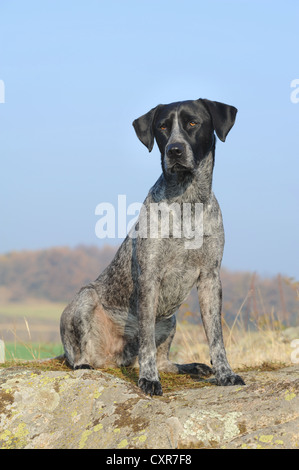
pixel 73 77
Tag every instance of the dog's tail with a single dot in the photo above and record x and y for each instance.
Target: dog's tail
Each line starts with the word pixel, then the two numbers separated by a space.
pixel 62 359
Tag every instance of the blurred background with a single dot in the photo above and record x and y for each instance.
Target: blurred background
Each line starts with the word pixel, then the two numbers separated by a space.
pixel 74 75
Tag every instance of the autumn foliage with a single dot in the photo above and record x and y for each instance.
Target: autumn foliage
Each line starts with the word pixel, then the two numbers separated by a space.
pixel 56 274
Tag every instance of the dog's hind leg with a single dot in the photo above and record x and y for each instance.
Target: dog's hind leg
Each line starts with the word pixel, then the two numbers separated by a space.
pixel 165 331
pixel 75 328
pixel 90 337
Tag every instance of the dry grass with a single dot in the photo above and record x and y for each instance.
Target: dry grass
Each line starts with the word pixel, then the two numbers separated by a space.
pixel 264 349
pixel 254 340
pixel 257 344
pixel 245 348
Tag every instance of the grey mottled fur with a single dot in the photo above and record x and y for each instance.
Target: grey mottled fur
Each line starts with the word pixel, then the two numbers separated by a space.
pixel 128 311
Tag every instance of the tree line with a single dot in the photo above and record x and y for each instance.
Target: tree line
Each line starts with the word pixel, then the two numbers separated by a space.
pixel 56 274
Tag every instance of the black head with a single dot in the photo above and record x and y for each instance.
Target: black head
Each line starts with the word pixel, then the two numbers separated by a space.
pixel 184 131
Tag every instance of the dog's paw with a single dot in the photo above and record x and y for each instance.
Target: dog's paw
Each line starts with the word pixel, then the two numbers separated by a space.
pixel 229 379
pixel 150 387
pixel 203 370
pixel 198 369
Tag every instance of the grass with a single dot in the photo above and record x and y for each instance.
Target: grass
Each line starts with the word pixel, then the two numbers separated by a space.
pixel 260 351
pixel 30 351
pixel 260 346
pixel 246 347
pixel 171 382
pixel 23 341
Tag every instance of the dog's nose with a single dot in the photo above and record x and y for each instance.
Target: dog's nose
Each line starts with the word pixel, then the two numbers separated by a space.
pixel 175 150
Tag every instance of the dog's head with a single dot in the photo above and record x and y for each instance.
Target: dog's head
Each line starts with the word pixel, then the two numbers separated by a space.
pixel 184 131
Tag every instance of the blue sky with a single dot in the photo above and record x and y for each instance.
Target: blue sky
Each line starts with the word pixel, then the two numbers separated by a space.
pixel 77 74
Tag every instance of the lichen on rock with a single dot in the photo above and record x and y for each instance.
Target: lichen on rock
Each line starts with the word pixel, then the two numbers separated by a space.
pixel 56 409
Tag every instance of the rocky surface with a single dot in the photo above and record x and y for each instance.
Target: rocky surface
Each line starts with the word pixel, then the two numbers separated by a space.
pixel 93 409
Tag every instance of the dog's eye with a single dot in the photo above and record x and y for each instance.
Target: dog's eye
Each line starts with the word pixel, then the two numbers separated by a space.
pixel 192 123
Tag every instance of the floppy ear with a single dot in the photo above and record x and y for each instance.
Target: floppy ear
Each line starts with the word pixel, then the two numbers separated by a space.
pixel 144 128
pixel 223 117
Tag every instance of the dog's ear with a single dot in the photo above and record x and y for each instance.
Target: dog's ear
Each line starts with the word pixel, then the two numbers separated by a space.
pixel 144 128
pixel 223 117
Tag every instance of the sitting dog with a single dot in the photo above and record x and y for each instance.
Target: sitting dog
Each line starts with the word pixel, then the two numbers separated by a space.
pixel 128 312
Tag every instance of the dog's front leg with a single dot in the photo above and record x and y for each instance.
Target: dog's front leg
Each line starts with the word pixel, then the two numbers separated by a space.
pixel 146 310
pixel 210 299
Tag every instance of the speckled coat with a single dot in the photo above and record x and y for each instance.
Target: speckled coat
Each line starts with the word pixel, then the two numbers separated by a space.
pixel 128 312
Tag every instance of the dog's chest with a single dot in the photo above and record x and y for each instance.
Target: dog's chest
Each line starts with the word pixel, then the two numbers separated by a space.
pixel 175 285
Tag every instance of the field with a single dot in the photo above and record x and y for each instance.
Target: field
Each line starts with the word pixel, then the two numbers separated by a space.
pixel 257 310
pixel 29 351
pixel 31 331
pixel 32 309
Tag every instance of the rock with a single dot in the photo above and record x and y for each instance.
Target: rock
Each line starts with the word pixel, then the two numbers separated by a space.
pixel 95 410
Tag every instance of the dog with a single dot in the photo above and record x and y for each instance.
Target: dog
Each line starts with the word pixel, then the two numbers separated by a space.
pixel 128 312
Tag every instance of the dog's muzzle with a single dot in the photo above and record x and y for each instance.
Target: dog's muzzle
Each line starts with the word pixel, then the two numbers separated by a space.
pixel 176 157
